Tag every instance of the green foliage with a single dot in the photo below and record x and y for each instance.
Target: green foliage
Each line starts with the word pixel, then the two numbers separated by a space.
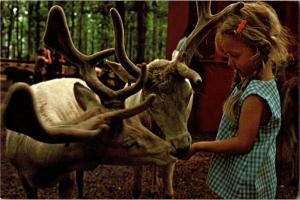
pixel 23 24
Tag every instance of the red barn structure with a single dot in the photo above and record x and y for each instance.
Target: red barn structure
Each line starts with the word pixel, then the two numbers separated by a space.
pixel 217 76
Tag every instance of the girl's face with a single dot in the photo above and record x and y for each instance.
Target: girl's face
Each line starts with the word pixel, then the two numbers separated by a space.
pixel 240 56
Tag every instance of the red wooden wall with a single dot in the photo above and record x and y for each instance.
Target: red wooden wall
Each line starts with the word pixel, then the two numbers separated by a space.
pixel 217 76
pixel 208 100
pixel 177 22
pixel 182 13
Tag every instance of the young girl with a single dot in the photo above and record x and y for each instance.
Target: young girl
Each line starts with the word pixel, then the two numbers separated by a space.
pixel 43 58
pixel 244 164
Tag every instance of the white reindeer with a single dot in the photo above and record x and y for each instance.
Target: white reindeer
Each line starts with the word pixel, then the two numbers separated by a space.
pixel 169 80
pixel 57 127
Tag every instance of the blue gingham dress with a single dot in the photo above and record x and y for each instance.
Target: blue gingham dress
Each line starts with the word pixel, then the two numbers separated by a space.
pixel 250 175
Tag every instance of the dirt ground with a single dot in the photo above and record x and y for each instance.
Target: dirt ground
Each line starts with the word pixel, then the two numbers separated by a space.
pixel 108 181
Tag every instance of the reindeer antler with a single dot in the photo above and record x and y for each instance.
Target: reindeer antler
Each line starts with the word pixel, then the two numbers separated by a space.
pixel 57 37
pixel 120 44
pixel 206 21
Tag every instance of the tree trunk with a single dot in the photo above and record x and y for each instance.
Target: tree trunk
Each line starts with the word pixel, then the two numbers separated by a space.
pixel 161 42
pixel 85 41
pixel 21 36
pixel 142 29
pixel 93 40
pixel 50 4
pixel 37 25
pixel 72 29
pixel 130 42
pixel 154 33
pixel 29 34
pixel 10 29
pixel 81 15
pixel 17 45
pixel 2 29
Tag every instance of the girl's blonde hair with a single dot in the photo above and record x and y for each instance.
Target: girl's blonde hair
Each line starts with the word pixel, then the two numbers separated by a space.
pixel 263 33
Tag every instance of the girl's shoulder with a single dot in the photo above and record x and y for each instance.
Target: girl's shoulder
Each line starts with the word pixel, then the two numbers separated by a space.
pixel 262 88
pixel 267 90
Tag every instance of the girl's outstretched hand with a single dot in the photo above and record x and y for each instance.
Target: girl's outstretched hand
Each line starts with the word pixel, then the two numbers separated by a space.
pixel 195 147
pixel 192 151
pixel 189 154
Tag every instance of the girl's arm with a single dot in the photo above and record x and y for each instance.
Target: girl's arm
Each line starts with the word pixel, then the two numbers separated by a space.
pixel 252 113
pixel 48 58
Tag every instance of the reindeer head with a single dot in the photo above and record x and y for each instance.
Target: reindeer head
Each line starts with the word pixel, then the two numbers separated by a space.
pixel 127 142
pixel 169 80
pixel 102 129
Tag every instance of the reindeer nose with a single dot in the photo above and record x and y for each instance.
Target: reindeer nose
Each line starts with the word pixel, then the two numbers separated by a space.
pixel 181 153
pixel 172 149
pixel 198 82
pixel 181 145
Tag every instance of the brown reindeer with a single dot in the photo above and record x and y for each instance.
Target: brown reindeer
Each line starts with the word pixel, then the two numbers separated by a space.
pixel 287 155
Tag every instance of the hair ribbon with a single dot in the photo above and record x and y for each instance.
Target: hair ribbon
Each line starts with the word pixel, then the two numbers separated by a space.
pixel 241 26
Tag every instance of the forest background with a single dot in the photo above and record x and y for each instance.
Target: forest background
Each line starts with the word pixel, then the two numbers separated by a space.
pixel 90 24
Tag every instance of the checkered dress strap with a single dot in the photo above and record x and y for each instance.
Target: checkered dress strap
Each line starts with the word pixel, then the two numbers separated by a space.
pixel 250 175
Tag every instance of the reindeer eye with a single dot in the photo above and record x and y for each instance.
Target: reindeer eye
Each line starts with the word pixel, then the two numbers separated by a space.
pixel 149 84
pixel 129 143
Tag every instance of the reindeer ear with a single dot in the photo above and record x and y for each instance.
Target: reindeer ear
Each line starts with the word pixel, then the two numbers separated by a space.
pixel 19 112
pixel 85 97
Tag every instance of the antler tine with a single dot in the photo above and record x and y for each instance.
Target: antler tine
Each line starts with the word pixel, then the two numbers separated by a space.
pixel 122 94
pixel 120 44
pixel 203 11
pixel 62 43
pixel 130 90
pixel 129 112
pixel 205 22
pixel 120 71
pixel 57 36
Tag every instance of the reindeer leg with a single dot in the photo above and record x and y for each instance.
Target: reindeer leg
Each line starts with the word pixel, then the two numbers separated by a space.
pixel 66 185
pixel 31 192
pixel 154 181
pixel 79 183
pixel 168 172
pixel 137 182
